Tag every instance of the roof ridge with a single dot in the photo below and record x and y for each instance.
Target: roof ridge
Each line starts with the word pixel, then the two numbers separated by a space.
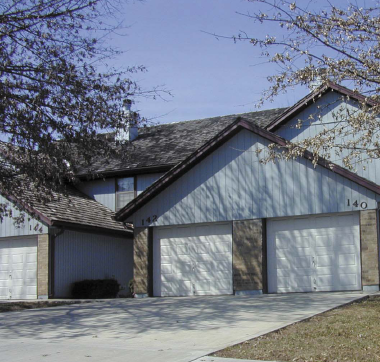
pixel 213 117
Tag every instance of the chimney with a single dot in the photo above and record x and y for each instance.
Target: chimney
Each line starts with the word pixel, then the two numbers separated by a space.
pixel 319 78
pixel 315 83
pixel 130 117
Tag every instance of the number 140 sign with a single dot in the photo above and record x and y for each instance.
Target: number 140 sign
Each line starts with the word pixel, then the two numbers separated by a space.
pixel 362 205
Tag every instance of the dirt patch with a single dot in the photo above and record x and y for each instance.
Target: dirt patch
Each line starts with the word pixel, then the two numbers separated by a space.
pixel 17 306
pixel 350 333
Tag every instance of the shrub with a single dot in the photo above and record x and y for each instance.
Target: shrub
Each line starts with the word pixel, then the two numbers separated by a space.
pixel 95 289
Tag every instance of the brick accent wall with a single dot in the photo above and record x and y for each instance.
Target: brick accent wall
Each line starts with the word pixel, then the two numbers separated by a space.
pixel 141 260
pixel 369 247
pixel 247 258
pixel 43 266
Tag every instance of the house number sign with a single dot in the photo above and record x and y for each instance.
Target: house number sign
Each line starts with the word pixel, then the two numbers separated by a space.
pixel 149 220
pixel 363 205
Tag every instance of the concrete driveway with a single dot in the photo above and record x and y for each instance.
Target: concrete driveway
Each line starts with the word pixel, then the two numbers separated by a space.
pixel 155 329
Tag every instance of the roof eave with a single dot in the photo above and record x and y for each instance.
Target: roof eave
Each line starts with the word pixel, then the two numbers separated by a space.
pixel 126 172
pixel 30 210
pixel 93 229
pixel 304 102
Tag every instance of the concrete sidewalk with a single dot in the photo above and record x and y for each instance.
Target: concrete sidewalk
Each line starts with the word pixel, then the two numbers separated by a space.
pixel 153 329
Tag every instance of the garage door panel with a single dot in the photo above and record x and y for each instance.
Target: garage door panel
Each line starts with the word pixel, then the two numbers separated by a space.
pixel 24 274
pixel 325 281
pixel 182 249
pixel 222 247
pixel 325 261
pixel 302 281
pixel 347 260
pixel 4 277
pixel 169 278
pixel 345 240
pixel 166 268
pixel 206 258
pixel 200 260
pixel 348 279
pixel 202 285
pixel 283 282
pixel 23 292
pixel 325 249
pixel 4 257
pixel 183 267
pixel 202 248
pixel 176 288
pixel 283 241
pixel 302 262
pixel 167 242
pixel 324 242
pixel 214 275
pixel 347 249
pixel 283 264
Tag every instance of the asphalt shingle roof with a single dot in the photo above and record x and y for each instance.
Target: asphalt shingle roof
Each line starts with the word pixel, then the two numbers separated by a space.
pixel 162 145
pixel 169 144
pixel 74 207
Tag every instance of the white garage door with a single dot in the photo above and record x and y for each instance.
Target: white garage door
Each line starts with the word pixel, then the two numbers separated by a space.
pixel 18 268
pixel 308 254
pixel 192 260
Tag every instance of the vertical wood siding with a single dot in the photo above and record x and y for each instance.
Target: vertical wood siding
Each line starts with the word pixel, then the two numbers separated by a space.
pixel 103 191
pixel 327 105
pixel 79 256
pixel 144 181
pixel 30 226
pixel 232 184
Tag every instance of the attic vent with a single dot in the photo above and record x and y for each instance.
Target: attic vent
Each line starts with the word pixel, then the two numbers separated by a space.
pixel 131 132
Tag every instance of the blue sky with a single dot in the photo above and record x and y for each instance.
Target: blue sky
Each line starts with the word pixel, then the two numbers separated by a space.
pixel 207 77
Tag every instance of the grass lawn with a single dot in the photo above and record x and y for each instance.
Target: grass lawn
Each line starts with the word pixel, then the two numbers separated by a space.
pixel 17 306
pixel 350 333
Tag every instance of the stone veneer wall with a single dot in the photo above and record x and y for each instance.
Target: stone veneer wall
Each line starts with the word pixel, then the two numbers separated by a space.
pixel 43 266
pixel 247 259
pixel 141 260
pixel 369 248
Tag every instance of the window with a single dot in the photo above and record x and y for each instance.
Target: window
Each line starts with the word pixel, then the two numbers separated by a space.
pixel 125 191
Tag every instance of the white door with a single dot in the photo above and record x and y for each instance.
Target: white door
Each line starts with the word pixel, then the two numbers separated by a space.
pixel 193 260
pixel 18 268
pixel 316 253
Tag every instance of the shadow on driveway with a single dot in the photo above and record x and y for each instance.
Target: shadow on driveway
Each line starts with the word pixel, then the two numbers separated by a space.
pixel 129 318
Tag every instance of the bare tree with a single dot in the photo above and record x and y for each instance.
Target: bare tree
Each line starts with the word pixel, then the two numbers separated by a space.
pixel 54 100
pixel 313 45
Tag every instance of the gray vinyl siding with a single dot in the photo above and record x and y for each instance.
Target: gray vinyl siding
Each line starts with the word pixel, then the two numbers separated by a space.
pixel 232 184
pixel 144 181
pixel 327 105
pixel 29 226
pixel 103 191
pixel 79 256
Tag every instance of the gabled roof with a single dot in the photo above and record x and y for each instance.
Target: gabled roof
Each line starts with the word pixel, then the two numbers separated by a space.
pixel 164 146
pixel 291 112
pixel 239 124
pixel 72 209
